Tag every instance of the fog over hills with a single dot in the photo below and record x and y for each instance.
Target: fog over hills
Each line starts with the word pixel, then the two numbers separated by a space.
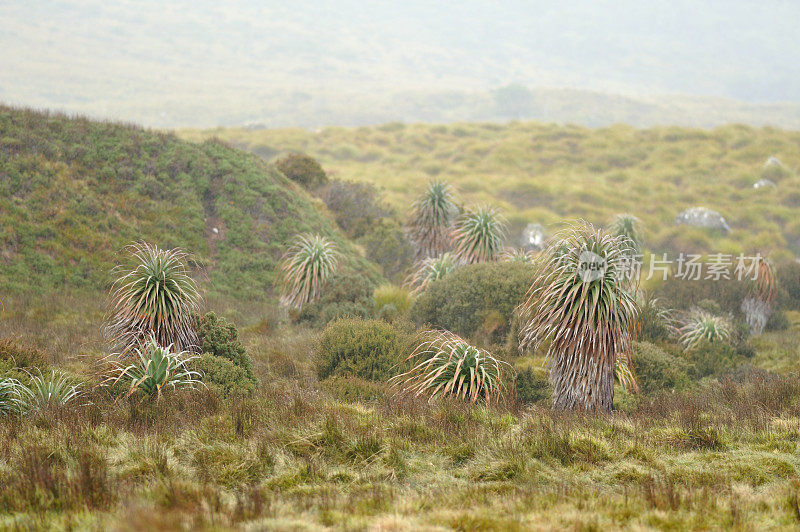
pixel 348 63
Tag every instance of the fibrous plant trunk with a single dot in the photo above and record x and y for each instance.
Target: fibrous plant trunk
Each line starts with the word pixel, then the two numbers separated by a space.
pixel 582 383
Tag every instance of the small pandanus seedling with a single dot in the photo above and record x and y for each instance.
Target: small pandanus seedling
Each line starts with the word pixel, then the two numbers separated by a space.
pixel 702 326
pixel 152 370
pixel 518 255
pixel 444 364
pixel 430 270
pixel 305 268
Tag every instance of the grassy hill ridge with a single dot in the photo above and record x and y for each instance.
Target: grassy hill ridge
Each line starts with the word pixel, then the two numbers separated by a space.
pixel 547 173
pixel 73 191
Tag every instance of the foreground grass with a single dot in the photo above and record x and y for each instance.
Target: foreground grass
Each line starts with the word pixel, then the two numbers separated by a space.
pixel 303 454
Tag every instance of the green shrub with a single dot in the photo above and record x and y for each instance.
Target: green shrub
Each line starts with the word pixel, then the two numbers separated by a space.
pixel 225 362
pixel 347 294
pixel 224 377
pixel 386 244
pixel 777 321
pixel 533 387
pixel 302 169
pixel 356 207
pixel 478 298
pixel 220 338
pixel 369 349
pixel 715 358
pixel 656 370
pixel 684 294
pixel 788 274
pixel 391 301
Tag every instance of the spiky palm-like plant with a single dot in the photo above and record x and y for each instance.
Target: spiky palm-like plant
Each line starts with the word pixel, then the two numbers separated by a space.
pixel 446 364
pixel 153 295
pixel 432 215
pixel 628 225
pixel 518 255
pixel 478 235
pixel 11 396
pixel 624 374
pixel 655 321
pixel 305 268
pixel 153 369
pixel 758 304
pixel 701 326
pixel 581 306
pixel 429 270
pixel 54 390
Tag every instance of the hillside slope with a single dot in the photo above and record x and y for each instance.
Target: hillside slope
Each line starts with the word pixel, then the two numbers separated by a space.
pixel 73 191
pixel 548 174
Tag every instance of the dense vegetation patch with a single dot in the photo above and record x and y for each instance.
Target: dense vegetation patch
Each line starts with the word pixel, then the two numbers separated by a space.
pixel 475 298
pixel 75 191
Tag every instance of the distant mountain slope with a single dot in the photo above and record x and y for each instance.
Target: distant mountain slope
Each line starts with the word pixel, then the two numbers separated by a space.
pixel 205 63
pixel 548 174
pixel 73 191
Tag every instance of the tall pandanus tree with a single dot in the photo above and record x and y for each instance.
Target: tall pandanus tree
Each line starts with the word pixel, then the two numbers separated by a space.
pixel 478 235
pixel 153 295
pixel 431 219
pixel 305 268
pixel 758 304
pixel 581 306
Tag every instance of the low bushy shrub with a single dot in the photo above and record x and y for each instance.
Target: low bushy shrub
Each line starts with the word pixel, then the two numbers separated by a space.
pixel 225 363
pixel 724 295
pixel 657 370
pixel 302 169
pixel 347 294
pixel 356 207
pixel 387 245
pixel 788 275
pixel 391 301
pixel 715 358
pixel 224 377
pixel 533 387
pixel 478 298
pixel 369 349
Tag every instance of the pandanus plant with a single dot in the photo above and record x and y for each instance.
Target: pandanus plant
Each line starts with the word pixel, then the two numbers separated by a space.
pixel 518 255
pixel 47 391
pixel 444 364
pixel 431 219
pixel 152 370
pixel 429 270
pixel 305 268
pixel 154 295
pixel 700 326
pixel 478 235
pixel 11 396
pixel 629 226
pixel 758 304
pixel 581 307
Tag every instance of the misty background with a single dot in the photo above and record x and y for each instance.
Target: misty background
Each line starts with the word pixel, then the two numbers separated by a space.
pixel 310 64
